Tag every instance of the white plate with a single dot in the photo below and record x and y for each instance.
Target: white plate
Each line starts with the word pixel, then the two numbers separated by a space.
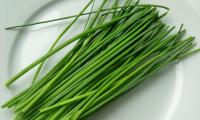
pixel 172 94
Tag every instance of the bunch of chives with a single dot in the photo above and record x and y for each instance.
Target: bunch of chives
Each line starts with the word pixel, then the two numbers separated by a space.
pixel 120 46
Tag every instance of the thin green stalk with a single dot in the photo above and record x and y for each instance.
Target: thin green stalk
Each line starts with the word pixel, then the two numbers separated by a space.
pixel 125 88
pixel 120 83
pixel 134 63
pixel 38 85
pixel 59 38
pixel 68 101
pixel 63 18
pixel 62 46
pixel 48 83
pixel 80 74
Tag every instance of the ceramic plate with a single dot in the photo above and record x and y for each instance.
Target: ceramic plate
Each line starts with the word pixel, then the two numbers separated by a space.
pixel 172 94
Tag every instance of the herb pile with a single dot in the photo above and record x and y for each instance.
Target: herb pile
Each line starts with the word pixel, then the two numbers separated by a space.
pixel 120 46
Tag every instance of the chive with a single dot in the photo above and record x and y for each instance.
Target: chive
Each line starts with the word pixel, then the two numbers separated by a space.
pixel 117 50
pixel 58 19
pixel 67 101
pixel 62 46
pixel 63 18
pixel 59 38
